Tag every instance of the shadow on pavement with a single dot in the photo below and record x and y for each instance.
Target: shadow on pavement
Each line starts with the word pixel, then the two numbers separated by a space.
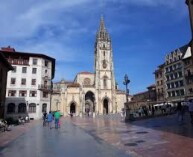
pixel 168 123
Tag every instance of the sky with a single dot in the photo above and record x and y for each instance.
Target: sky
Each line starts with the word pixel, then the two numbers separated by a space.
pixel 142 33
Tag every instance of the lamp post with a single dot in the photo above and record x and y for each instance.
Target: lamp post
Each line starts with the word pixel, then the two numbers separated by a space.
pixel 126 82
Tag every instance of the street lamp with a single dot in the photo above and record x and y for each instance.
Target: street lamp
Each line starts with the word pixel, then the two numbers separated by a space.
pixel 126 82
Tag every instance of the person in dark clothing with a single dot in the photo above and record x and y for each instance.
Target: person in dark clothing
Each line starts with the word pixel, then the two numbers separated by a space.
pixel 44 118
pixel 179 110
pixel 153 111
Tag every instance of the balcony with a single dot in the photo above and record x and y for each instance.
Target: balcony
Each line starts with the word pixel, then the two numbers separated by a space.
pixel 46 77
pixel 45 88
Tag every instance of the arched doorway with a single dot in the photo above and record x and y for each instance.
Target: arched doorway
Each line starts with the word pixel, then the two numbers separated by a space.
pixel 73 108
pixel 22 108
pixel 105 106
pixel 11 108
pixel 44 108
pixel 89 102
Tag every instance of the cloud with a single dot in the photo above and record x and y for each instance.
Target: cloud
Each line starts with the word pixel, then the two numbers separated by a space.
pixel 66 29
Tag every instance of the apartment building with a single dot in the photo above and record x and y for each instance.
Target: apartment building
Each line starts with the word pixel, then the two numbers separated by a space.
pixel 4 68
pixel 174 75
pixel 29 85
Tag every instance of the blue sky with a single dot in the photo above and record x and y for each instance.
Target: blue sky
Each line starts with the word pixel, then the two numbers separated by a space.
pixel 142 32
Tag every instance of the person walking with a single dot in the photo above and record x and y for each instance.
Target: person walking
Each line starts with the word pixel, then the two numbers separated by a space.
pixel 44 118
pixel 179 111
pixel 50 118
pixel 190 109
pixel 57 118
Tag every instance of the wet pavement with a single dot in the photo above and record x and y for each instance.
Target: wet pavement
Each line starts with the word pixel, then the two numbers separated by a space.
pixel 161 136
pixel 98 137
pixel 68 141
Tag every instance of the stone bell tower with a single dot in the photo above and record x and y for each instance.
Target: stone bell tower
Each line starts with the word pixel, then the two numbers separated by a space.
pixel 104 72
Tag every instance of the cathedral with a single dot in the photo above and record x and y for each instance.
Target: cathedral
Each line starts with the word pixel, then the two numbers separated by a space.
pixel 91 93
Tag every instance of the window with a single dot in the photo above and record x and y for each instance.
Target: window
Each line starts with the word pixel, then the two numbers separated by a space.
pixel 23 81
pixel 172 84
pixel 14 69
pixel 33 82
pixel 167 77
pixel 178 93
pixel 11 108
pixel 190 90
pixel 44 107
pixel 24 69
pixel 104 53
pixel 168 86
pixel 13 81
pixel 33 93
pixel 22 108
pixel 46 63
pixel 34 70
pixel 104 64
pixel 105 81
pixel 12 93
pixel 176 84
pixel 87 81
pixel 46 71
pixel 180 74
pixel 22 93
pixel 169 94
pixel 32 108
pixel 45 95
pixel 181 83
pixel 167 70
pixel 181 92
pixel 173 93
pixel 35 61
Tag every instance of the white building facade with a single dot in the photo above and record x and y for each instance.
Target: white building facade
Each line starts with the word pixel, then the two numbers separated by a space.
pixel 29 84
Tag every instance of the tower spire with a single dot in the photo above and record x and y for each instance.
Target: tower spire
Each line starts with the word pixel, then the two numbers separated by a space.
pixel 102 24
pixel 102 33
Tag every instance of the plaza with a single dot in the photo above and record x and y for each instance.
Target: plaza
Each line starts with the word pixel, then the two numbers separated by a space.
pixel 103 136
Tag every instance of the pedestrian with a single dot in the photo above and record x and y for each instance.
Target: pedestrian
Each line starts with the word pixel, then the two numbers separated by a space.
pixel 122 114
pixel 57 118
pixel 50 118
pixel 190 109
pixel 153 110
pixel 179 111
pixel 44 118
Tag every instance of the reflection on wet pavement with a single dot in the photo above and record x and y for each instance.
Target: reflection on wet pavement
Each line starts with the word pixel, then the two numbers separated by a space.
pixel 162 136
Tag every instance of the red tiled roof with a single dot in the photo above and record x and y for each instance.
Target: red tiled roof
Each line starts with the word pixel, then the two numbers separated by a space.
pixel 8 49
pixel 151 86
pixel 74 85
pixel 85 72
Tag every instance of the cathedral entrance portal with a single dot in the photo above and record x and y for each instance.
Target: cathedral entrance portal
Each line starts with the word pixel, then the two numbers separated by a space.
pixel 72 108
pixel 105 106
pixel 89 103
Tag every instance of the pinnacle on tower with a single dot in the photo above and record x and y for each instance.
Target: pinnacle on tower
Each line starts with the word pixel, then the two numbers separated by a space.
pixel 102 25
pixel 102 33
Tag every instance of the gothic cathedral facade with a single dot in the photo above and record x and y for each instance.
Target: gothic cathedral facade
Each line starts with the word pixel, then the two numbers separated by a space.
pixel 91 93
